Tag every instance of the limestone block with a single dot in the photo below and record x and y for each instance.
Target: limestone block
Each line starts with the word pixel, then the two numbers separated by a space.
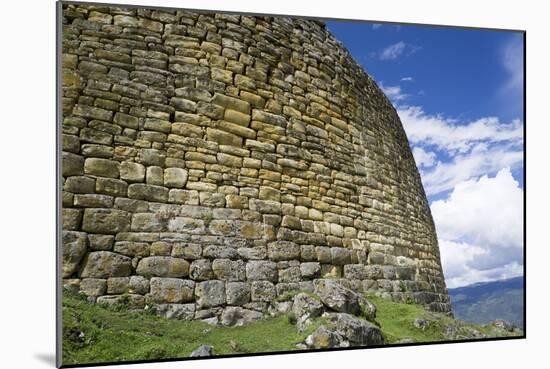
pixel 171 290
pixel 101 167
pixel 237 293
pixel 258 270
pixel 229 270
pixel 163 266
pixel 105 264
pixel 175 177
pixel 106 221
pixel 74 249
pixel 210 293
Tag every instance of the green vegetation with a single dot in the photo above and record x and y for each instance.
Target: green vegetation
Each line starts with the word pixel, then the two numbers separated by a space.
pixel 94 333
pixel 397 323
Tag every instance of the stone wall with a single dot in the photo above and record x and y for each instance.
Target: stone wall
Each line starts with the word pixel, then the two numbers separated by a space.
pixel 213 160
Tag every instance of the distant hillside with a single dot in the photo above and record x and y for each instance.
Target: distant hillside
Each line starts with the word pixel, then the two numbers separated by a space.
pixel 483 302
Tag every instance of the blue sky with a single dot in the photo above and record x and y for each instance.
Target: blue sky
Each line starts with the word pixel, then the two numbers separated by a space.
pixel 459 94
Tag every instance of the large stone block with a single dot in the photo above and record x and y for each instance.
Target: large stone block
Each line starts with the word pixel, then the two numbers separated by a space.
pixel 175 177
pixel 105 264
pixel 210 294
pixel 171 290
pixel 262 291
pixel 74 249
pixel 132 172
pixel 148 192
pixel 72 164
pixel 283 250
pixel 101 167
pixel 229 270
pixel 257 270
pixel 163 266
pixel 237 293
pixel 106 221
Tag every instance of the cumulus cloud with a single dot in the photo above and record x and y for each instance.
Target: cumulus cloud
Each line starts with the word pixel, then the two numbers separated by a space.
pixel 447 134
pixel 393 51
pixel 480 229
pixel 512 61
pixel 394 93
pixel 480 160
pixel 424 158
pixel 463 150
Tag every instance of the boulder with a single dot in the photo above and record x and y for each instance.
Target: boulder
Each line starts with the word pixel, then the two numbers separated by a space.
pixel 202 351
pixel 237 316
pixel 305 305
pixel 323 338
pixel 175 311
pixel 359 332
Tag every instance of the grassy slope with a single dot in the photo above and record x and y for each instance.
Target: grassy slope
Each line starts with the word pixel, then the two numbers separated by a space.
pixel 93 333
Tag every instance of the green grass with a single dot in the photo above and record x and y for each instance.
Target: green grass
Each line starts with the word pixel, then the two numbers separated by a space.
pixel 93 333
pixel 111 334
pixel 397 323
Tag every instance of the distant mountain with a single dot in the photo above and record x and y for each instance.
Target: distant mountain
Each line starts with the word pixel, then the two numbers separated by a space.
pixel 483 302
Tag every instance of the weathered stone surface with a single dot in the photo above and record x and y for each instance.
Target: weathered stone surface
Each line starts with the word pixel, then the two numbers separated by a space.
pixel 163 266
pixel 337 297
pixel 201 270
pixel 175 177
pixel 216 141
pixel 261 270
pixel 105 264
pixel 263 291
pixel 237 293
pixel 147 192
pixel 202 351
pixel 323 338
pixel 310 270
pixel 100 242
pixel 74 249
pixel 210 294
pixel 237 316
pixel 187 197
pixel 357 331
pixel 229 270
pixel 107 221
pixel 132 172
pixel 306 306
pixel 175 311
pixel 72 164
pixel 93 286
pixel 118 285
pixel 101 167
pixel 283 250
pixel 171 290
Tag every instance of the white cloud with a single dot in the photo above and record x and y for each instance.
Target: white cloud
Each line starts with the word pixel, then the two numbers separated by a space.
pixel 424 158
pixel 481 160
pixel 512 61
pixel 480 229
pixel 463 151
pixel 447 134
pixel 376 26
pixel 393 51
pixel 407 79
pixel 394 93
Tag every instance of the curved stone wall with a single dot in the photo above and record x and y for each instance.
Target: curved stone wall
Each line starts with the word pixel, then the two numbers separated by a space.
pixel 214 160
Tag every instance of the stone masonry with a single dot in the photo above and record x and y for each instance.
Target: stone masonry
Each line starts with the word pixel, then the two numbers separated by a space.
pixel 213 161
